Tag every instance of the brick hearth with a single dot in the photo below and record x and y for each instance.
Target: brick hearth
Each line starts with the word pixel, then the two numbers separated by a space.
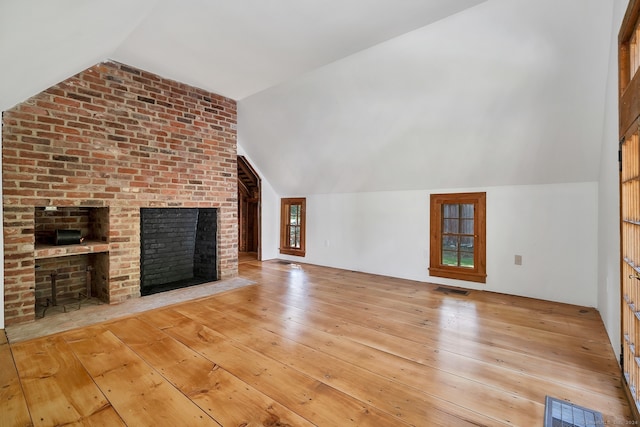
pixel 120 139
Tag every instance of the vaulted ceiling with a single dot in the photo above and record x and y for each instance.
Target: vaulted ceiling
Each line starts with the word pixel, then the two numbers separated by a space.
pixel 233 48
pixel 509 92
pixel 355 95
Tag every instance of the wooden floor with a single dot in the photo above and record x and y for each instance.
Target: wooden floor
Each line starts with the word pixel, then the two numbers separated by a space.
pixel 310 345
pixel 244 257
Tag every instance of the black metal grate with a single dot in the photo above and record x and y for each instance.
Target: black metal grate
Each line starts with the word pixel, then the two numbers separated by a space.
pixel 559 413
pixel 452 291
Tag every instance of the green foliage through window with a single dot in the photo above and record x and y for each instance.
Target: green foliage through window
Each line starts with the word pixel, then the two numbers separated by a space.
pixel 457 235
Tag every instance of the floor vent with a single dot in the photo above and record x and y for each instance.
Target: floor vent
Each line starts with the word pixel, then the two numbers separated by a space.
pixel 452 291
pixel 290 264
pixel 559 413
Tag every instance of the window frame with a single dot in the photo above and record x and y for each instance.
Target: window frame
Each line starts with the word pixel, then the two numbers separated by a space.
pixel 436 267
pixel 285 208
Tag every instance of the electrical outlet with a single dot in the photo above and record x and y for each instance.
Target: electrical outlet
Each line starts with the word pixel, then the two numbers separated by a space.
pixel 518 260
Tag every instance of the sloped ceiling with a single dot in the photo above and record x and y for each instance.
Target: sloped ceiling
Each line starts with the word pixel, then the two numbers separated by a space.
pixel 510 92
pixel 45 42
pixel 237 48
pixel 231 47
pixel 354 95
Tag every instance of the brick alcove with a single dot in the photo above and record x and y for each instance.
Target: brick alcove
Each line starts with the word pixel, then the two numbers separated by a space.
pixel 119 139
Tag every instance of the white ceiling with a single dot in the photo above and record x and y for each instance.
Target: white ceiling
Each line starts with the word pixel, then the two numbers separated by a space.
pixel 354 95
pixel 510 92
pixel 231 47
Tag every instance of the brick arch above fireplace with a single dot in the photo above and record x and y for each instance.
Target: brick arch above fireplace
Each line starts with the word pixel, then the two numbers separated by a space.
pixel 120 138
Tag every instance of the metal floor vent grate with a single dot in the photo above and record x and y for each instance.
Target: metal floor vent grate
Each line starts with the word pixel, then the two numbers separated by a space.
pixel 559 413
pixel 451 291
pixel 290 264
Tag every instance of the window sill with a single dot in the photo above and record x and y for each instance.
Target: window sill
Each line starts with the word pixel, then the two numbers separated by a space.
pixel 458 274
pixel 294 252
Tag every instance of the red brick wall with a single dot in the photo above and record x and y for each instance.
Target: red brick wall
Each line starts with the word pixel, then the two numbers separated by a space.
pixel 118 137
pixel 70 278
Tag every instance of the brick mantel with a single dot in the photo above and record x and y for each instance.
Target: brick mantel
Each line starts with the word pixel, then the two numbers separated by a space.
pixel 118 137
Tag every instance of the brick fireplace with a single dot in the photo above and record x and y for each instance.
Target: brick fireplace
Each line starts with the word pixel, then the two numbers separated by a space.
pixel 99 147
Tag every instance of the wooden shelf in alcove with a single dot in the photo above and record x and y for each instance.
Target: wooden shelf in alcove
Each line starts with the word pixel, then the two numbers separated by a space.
pixel 86 247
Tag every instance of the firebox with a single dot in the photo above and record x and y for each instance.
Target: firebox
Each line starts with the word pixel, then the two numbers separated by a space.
pixel 177 248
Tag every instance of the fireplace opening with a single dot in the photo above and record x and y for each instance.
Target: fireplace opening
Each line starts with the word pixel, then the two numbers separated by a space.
pixel 177 248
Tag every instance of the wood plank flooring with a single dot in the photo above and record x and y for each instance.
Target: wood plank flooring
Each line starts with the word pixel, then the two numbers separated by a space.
pixel 309 345
pixel 13 406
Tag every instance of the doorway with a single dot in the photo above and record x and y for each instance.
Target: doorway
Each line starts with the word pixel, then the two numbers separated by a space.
pixel 249 191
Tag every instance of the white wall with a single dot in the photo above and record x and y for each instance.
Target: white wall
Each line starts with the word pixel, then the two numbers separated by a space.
pixel 553 227
pixel 270 231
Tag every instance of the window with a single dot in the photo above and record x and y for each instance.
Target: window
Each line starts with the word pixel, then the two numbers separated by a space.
pixel 292 225
pixel 457 242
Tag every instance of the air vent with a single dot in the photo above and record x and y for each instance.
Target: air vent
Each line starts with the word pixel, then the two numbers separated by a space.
pixel 559 413
pixel 290 264
pixel 451 291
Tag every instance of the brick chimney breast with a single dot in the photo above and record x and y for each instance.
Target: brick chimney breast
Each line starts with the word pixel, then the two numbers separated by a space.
pixel 116 138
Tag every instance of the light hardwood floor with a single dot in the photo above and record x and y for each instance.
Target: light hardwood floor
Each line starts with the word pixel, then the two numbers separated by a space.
pixel 310 345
